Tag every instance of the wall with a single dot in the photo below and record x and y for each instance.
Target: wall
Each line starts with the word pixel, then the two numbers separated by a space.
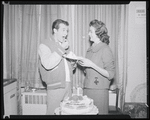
pixel 136 69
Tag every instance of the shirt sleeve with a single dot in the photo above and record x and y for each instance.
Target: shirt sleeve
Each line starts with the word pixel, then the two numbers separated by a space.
pixel 48 59
pixel 108 62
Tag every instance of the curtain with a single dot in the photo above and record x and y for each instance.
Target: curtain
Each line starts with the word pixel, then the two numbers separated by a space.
pixel 25 26
pixel 122 46
pixel 29 39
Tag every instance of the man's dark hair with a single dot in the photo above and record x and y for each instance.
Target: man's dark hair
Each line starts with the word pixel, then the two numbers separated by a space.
pixel 56 24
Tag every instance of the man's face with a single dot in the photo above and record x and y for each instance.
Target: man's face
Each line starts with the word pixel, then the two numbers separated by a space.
pixel 62 32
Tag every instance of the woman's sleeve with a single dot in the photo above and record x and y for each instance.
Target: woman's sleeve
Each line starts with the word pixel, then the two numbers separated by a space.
pixel 48 59
pixel 108 62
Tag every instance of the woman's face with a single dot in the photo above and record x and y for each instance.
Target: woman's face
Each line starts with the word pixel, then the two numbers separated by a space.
pixel 92 35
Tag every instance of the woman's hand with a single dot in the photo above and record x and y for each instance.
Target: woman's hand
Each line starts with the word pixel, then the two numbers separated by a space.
pixel 85 62
pixel 88 63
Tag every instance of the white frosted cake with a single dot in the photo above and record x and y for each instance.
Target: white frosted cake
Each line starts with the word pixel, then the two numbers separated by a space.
pixel 71 55
pixel 78 105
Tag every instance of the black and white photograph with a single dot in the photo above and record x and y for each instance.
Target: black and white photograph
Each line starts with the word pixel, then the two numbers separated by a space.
pixel 66 60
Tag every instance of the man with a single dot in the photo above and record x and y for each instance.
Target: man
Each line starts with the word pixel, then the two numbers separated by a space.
pixel 55 69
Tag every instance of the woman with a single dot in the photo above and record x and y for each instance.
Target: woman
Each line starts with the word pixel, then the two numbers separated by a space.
pixel 99 66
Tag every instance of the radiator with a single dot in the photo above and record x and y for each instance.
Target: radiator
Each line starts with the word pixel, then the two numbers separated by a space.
pixel 34 103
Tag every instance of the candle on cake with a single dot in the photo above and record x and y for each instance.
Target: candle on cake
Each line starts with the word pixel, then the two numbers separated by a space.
pixel 78 91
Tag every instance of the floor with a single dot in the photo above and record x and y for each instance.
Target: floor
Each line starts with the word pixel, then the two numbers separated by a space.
pixel 117 114
pixel 118 111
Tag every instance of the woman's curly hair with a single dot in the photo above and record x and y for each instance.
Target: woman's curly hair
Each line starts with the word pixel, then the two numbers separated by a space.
pixel 100 30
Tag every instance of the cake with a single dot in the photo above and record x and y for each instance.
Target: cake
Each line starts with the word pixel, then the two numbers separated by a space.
pixel 77 104
pixel 71 55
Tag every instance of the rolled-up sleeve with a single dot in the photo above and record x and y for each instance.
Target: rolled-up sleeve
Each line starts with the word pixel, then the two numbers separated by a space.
pixel 108 62
pixel 48 59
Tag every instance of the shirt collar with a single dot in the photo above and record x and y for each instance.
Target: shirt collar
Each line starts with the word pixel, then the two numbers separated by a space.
pixel 97 47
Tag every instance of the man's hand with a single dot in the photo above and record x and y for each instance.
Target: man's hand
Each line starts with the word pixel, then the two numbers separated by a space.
pixel 65 44
pixel 73 63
